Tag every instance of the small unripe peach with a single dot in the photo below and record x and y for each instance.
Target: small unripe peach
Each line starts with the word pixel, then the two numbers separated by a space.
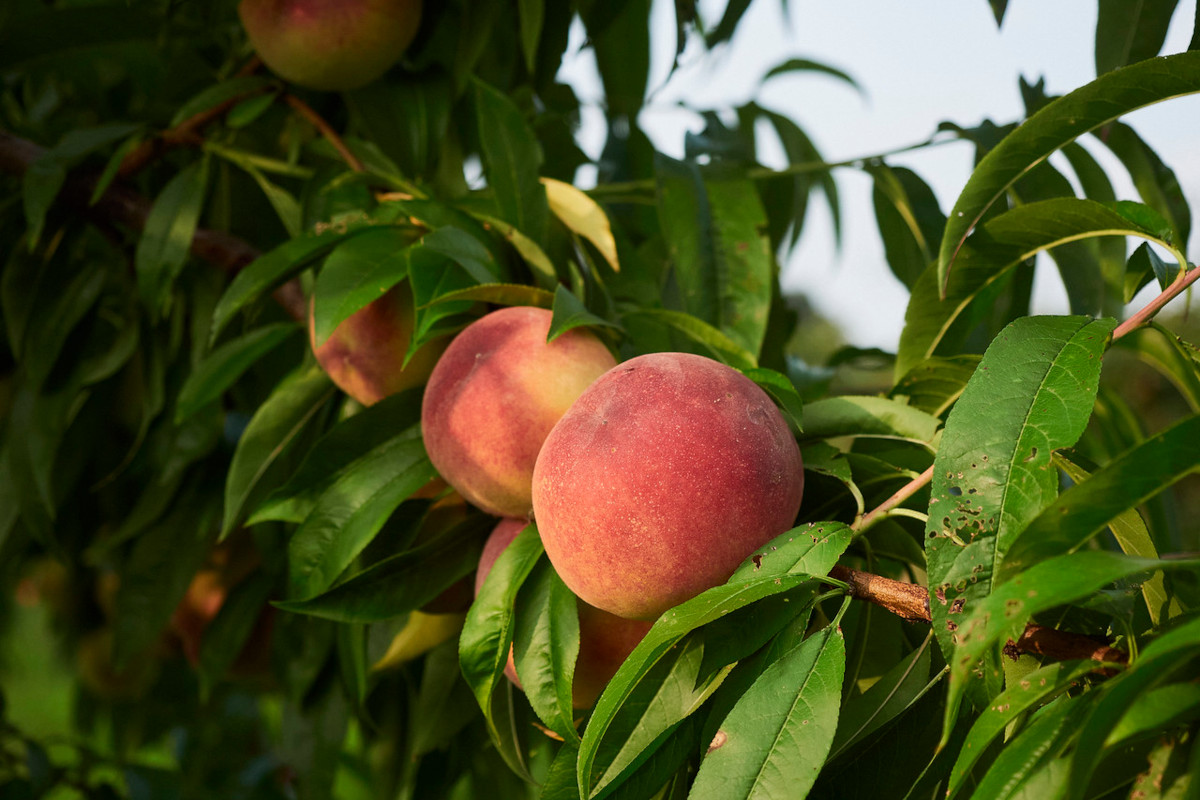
pixel 664 475
pixel 494 396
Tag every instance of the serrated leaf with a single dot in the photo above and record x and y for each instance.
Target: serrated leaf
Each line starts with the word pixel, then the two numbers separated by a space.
pixel 167 237
pixel 1087 507
pixel 1036 688
pixel 1155 711
pixel 1032 394
pixel 779 732
pixel 1003 614
pixel 570 312
pixel 352 510
pixel 1154 664
pixel 721 259
pixel 854 415
pixel 1057 123
pixel 545 645
pixel 487 634
pixel 933 324
pixel 347 442
pixel 511 157
pixel 584 216
pixel 358 271
pixel 225 365
pixel 398 584
pixel 406 120
pixel 276 424
pixel 268 270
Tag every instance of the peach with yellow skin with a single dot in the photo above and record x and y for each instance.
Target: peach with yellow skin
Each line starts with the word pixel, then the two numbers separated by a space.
pixel 663 477
pixel 605 641
pixel 364 355
pixel 331 45
pixel 494 396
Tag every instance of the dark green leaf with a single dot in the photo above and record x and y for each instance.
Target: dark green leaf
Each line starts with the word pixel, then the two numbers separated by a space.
pixel 1129 32
pixel 909 218
pixel 532 14
pixel 226 364
pixel 348 514
pixel 249 110
pixel 1157 710
pixel 716 342
pixel 50 33
pixel 511 157
pixel 935 384
pixel 570 313
pixel 400 583
pixel 1056 124
pixel 546 644
pixel 734 10
pixel 167 237
pixel 55 314
pixel 357 272
pixel 408 120
pixel 275 426
pixel 1155 181
pixel 782 391
pixel 502 294
pixel 806 65
pixel 230 631
pixel 462 248
pixel 777 736
pixel 1028 767
pixel 852 415
pixel 219 93
pixel 1169 355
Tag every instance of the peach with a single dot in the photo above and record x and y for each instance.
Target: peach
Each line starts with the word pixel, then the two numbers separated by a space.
pixel 663 476
pixel 605 641
pixel 364 355
pixel 494 396
pixel 331 45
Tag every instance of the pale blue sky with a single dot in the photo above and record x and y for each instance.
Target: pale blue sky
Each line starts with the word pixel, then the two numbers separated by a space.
pixel 920 62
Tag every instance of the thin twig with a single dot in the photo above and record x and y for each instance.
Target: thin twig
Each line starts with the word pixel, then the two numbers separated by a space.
pixel 305 110
pixel 1147 312
pixel 906 491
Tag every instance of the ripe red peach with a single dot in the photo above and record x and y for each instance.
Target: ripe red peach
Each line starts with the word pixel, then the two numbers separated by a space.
pixel 494 396
pixel 364 355
pixel 661 479
pixel 605 641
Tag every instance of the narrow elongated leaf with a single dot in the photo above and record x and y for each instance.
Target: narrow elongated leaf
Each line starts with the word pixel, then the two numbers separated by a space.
pixel 545 645
pixel 352 510
pixel 267 271
pixel 570 312
pixel 909 218
pixel 360 270
pixel 1003 614
pixel 1087 507
pixel 167 237
pixel 721 346
pixel 511 157
pixel 1031 394
pixel 465 250
pixel 584 216
pixel 1028 766
pixel 1056 124
pixel 226 364
pixel 533 15
pixel 219 93
pixel 55 314
pixel 722 260
pixel 347 442
pixel 934 324
pixel 487 633
pixel 1158 661
pixel 273 427
pixel 1128 32
pixel 1038 687
pixel 1170 356
pixel 229 632
pixel 807 65
pixel 853 415
pixel 398 584
pixel 935 384
pixel 1156 183
pixel 777 736
pixel 1155 711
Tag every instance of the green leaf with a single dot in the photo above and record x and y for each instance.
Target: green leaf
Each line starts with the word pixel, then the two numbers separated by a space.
pixel 1156 183
pixel 1162 657
pixel 782 391
pixel 1032 394
pixel 226 364
pixel 667 632
pixel 400 583
pixel 343 446
pixel 408 120
pixel 805 65
pixel 219 93
pixel 276 425
pixel 570 312
pixel 1003 614
pixel 1056 124
pixel 722 347
pixel 1028 766
pixel 230 630
pixel 532 14
pixel 247 111
pixel 462 248
pixel 48 33
pixel 1155 711
pixel 721 258
pixel 935 384
pixel 546 644
pixel 268 270
pixel 1129 32
pixel 285 204
pixel 1089 506
pixel 167 237
pixel 811 549
pixel 487 633
pixel 501 294
pixel 986 263
pixel 530 251
pixel 1169 355
pixel 358 271
pixel 54 315
pixel 1035 689
pixel 511 157
pixel 779 732
pixel 853 415
pixel 349 514
pixel 909 218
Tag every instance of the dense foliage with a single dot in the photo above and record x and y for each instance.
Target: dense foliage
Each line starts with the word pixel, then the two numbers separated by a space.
pixel 214 563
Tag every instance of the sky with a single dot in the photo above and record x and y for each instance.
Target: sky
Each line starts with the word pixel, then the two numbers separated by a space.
pixel 919 63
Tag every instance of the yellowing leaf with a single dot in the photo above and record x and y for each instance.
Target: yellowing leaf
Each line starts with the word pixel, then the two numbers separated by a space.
pixel 420 634
pixel 583 215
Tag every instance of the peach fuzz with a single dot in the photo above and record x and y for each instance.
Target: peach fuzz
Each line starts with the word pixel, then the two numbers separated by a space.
pixel 364 355
pixel 605 641
pixel 494 396
pixel 663 477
